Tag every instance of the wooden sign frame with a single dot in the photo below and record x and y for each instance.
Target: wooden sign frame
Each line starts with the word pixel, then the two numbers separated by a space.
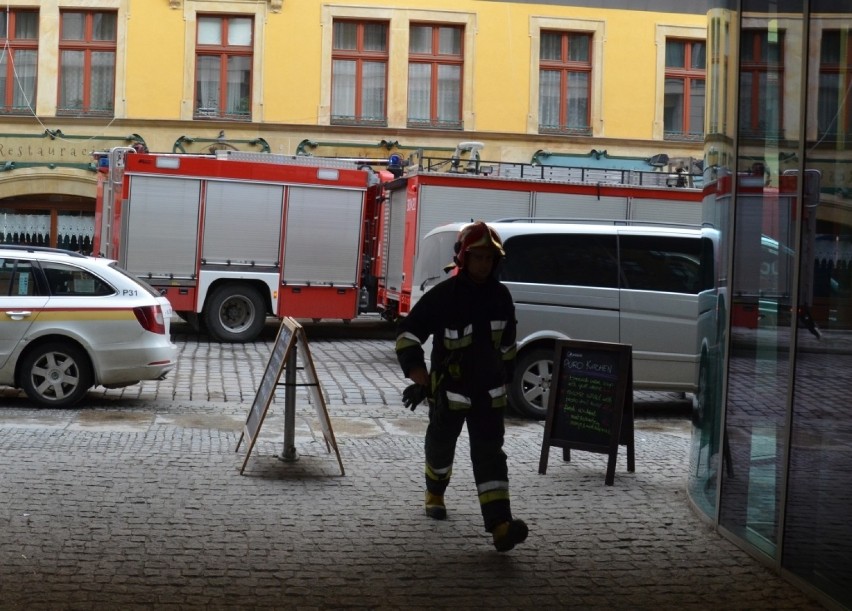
pixel 290 338
pixel 590 407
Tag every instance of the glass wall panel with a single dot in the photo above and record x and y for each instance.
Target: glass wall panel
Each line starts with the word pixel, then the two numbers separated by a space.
pixel 707 448
pixel 763 293
pixel 774 424
pixel 818 528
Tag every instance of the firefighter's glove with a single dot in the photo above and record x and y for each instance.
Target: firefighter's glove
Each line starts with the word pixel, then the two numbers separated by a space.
pixel 414 395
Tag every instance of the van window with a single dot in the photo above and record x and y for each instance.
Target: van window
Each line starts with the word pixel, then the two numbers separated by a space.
pixel 585 260
pixel 667 264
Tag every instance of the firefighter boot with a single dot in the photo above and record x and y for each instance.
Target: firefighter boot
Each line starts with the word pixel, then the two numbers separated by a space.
pixel 435 508
pixel 508 534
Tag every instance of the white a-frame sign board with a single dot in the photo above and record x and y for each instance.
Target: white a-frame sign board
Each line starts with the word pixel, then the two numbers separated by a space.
pixel 290 339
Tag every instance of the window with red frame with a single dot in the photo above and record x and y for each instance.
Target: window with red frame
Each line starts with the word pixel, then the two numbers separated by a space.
pixel 761 83
pixel 19 62
pixel 565 83
pixel 223 59
pixel 834 103
pixel 87 44
pixel 359 60
pixel 435 66
pixel 683 114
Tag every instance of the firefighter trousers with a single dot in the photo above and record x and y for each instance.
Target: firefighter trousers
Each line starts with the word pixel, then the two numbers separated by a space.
pixel 486 431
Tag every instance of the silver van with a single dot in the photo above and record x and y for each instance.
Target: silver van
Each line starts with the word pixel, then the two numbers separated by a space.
pixel 650 286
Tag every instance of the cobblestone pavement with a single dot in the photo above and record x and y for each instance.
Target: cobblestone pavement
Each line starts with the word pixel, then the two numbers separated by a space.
pixel 134 500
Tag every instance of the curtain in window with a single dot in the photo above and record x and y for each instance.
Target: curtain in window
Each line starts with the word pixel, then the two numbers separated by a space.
pixel 373 92
pixel 770 95
pixel 699 56
pixel 207 85
pixel 71 93
pixel 745 102
pixel 239 69
pixel 449 90
pixel 828 104
pixel 26 25
pixel 548 98
pixel 343 89
pixel 73 26
pixel 103 80
pixel 345 35
pixel 449 41
pixel 551 46
pixel 420 39
pixel 673 105
pixel 578 48
pixel 419 91
pixel 26 62
pixel 696 106
pixel 578 100
pixel 675 54
pixel 103 26
pixel 375 37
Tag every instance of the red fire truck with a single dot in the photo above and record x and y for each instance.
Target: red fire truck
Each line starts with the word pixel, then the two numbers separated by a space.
pixel 765 241
pixel 232 237
pixel 429 195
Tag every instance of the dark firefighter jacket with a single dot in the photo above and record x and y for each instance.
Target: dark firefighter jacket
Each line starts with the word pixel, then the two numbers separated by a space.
pixel 473 340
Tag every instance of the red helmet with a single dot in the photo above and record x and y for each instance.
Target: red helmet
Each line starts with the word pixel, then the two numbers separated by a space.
pixel 477 235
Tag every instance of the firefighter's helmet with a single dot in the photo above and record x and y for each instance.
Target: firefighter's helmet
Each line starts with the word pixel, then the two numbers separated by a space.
pixel 476 235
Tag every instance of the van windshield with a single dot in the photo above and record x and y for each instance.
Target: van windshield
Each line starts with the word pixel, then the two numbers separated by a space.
pixel 436 252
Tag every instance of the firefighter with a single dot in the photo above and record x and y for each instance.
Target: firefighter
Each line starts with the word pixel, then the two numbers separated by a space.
pixel 471 318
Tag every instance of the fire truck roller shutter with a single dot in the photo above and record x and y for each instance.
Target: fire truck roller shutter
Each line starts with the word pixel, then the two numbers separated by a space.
pixel 160 226
pixel 322 244
pixel 440 205
pixel 575 205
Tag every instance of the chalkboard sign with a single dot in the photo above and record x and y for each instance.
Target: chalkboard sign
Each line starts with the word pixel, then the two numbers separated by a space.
pixel 590 406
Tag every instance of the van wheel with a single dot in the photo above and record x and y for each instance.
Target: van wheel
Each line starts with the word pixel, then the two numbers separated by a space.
pixel 530 388
pixel 56 374
pixel 235 313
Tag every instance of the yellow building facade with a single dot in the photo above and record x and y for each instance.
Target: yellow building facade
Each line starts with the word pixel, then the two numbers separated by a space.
pixel 149 94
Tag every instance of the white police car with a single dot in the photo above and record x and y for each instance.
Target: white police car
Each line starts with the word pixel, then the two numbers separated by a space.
pixel 70 322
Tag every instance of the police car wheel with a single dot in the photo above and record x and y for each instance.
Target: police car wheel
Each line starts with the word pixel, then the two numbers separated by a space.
pixel 55 374
pixel 530 386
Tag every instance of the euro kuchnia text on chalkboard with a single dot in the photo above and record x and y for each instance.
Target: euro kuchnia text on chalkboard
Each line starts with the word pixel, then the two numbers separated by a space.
pixel 587 398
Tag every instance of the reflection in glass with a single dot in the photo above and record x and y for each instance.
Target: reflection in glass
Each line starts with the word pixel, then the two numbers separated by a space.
pixel 818 528
pixel 779 191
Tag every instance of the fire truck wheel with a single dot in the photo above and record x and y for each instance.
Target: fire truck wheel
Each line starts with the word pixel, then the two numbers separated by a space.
pixel 235 313
pixel 530 387
pixel 55 374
